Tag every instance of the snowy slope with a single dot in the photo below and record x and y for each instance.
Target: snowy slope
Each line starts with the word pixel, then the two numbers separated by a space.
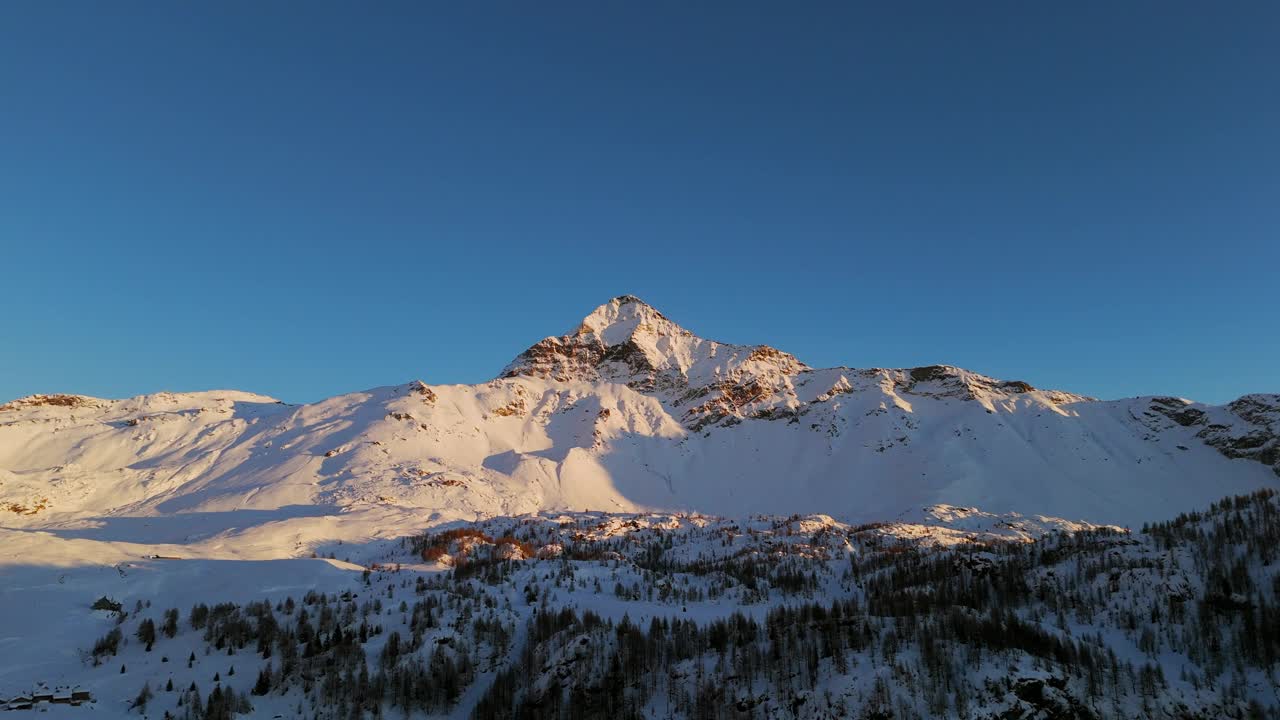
pixel 631 412
pixel 987 616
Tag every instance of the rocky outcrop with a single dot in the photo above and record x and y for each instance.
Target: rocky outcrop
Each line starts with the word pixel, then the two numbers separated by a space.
pixel 35 401
pixel 1046 698
pixel 1246 428
pixel 1256 436
pixel 1178 410
pixel 949 381
pixel 559 359
pixel 422 390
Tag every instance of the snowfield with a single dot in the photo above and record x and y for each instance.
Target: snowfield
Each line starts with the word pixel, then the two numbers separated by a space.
pixel 624 473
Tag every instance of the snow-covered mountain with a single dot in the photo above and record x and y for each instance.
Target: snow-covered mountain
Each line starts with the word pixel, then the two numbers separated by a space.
pixel 798 542
pixel 631 412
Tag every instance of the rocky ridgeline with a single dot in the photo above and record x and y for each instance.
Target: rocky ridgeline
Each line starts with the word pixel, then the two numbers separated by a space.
pixel 711 383
pixel 948 381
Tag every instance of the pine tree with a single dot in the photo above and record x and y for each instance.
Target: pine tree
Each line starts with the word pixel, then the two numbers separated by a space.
pixel 170 627
pixel 263 685
pixel 147 633
pixel 144 696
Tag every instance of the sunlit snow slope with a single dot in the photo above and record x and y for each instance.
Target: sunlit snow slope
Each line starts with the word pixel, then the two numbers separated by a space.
pixel 629 411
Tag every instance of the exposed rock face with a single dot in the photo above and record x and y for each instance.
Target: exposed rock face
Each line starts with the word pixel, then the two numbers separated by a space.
pixel 1178 410
pixel 1046 698
pixel 1257 436
pixel 34 401
pixel 948 381
pixel 558 359
pixel 420 388
pixel 1246 428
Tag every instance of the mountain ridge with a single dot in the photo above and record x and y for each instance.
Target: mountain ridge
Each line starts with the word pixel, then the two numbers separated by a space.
pixel 631 412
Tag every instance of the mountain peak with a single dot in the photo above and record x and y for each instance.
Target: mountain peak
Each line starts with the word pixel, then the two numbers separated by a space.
pixel 627 340
pixel 623 337
pixel 623 318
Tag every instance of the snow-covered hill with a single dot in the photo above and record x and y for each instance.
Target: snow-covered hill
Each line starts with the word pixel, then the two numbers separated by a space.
pixel 600 615
pixel 631 412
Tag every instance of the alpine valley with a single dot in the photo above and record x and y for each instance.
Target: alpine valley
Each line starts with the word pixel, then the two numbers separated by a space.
pixel 632 521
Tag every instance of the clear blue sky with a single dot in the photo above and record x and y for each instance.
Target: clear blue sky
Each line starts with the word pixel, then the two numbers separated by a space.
pixel 307 199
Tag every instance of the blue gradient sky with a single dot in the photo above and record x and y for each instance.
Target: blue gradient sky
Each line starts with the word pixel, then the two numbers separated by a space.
pixel 302 203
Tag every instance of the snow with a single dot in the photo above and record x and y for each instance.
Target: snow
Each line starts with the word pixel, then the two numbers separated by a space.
pixel 677 433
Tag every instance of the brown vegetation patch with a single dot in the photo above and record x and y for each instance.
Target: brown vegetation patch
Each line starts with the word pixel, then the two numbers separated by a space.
pixel 22 509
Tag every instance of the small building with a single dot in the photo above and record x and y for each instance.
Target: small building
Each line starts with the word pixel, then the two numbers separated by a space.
pixel 80 696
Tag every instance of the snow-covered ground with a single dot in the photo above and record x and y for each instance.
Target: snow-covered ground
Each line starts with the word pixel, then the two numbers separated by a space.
pixel 797 616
